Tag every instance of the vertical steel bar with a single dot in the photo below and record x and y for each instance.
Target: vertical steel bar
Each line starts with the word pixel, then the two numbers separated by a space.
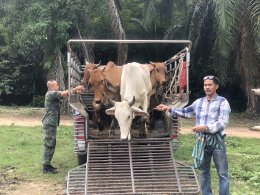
pixel 131 166
pixel 175 168
pixel 187 72
pixel 86 178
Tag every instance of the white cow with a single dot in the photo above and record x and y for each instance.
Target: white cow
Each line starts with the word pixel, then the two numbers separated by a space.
pixel 256 91
pixel 135 92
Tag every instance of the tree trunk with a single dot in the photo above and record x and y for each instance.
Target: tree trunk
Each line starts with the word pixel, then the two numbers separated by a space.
pixel 88 49
pixel 248 68
pixel 119 32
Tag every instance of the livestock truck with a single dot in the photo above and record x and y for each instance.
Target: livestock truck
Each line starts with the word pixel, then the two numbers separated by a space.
pixel 108 165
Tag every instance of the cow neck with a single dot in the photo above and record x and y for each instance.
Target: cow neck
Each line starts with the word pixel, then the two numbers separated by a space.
pixel 153 80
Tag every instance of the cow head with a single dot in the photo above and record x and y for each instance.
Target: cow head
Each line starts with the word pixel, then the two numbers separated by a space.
pixel 159 71
pixel 125 112
pixel 99 85
pixel 96 85
pixel 87 71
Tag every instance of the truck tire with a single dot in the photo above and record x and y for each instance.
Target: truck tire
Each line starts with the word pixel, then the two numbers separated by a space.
pixel 82 158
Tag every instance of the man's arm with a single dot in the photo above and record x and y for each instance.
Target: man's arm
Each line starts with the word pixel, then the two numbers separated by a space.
pixel 187 112
pixel 78 89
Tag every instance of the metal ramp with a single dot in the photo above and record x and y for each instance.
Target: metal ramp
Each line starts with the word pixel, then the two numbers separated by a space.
pixel 135 167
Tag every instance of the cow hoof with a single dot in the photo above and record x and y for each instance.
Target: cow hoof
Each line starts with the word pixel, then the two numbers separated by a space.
pixel 112 132
pixel 100 127
pixel 142 135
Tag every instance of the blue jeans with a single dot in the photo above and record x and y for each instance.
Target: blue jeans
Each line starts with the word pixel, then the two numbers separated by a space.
pixel 221 163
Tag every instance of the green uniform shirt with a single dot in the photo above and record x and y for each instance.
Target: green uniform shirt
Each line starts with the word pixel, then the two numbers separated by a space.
pixel 52 108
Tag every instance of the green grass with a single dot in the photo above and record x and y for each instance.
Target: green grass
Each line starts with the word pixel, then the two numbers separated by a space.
pixel 21 111
pixel 21 153
pixel 235 120
pixel 21 150
pixel 244 163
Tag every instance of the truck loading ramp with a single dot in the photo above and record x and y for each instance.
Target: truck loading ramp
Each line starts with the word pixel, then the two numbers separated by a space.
pixel 143 166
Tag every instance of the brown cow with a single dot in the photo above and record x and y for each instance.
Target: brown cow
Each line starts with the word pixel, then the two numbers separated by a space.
pixel 158 77
pixel 87 70
pixel 105 81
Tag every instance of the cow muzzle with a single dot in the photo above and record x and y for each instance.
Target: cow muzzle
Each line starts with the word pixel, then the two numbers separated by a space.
pixel 96 106
pixel 163 82
pixel 98 101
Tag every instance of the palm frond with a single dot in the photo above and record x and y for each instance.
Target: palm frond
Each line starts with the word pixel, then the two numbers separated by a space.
pixel 254 8
pixel 197 13
pixel 225 35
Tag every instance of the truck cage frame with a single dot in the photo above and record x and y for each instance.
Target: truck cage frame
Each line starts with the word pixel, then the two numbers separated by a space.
pixel 139 166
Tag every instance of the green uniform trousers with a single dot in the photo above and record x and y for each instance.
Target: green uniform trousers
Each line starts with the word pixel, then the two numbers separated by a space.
pixel 49 143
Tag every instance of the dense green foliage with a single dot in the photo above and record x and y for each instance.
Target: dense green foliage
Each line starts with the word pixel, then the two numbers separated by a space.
pixel 224 33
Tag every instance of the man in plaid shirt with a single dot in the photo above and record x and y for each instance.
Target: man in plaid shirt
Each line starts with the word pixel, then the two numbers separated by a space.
pixel 212 115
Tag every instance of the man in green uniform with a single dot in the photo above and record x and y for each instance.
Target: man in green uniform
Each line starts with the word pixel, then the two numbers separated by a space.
pixel 51 121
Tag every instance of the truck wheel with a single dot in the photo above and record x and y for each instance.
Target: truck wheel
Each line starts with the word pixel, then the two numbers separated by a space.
pixel 82 158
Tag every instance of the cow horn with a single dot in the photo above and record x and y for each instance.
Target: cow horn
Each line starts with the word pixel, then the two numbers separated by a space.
pixel 99 63
pixel 132 102
pixel 153 64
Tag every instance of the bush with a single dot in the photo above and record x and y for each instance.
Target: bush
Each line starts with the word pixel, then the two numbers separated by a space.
pixel 38 101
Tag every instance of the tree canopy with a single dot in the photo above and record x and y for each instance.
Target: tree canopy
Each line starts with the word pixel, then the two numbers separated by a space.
pixel 225 36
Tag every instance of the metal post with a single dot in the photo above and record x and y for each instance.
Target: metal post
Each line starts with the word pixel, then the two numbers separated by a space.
pixel 187 71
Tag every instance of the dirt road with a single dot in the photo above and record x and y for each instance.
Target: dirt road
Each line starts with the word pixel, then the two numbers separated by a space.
pixel 67 121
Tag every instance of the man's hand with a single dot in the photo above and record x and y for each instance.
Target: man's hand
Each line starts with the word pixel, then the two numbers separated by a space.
pixel 162 107
pixel 79 89
pixel 200 128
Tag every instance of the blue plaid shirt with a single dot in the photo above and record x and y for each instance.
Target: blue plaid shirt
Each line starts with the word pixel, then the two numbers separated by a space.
pixel 213 113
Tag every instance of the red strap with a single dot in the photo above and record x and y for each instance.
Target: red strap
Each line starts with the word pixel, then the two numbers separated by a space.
pixel 183 78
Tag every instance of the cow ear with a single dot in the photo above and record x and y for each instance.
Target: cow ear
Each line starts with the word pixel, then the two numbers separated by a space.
pixel 151 66
pixel 111 111
pixel 109 86
pixel 139 112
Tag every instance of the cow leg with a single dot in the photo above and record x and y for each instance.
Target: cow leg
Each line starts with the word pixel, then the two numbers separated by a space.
pixel 112 126
pixel 98 121
pixel 129 136
pixel 143 128
pixel 145 108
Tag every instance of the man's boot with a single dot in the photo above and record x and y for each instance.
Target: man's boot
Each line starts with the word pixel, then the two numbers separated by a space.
pixel 49 169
